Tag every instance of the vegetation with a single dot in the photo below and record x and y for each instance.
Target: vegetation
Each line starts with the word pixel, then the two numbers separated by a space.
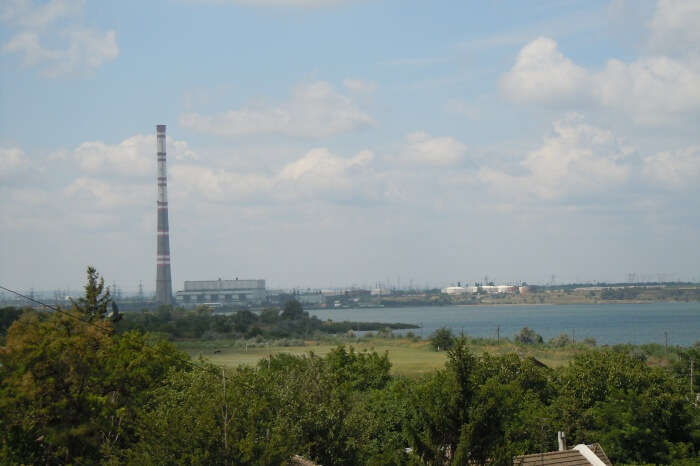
pixel 291 322
pixel 75 388
pixel 527 336
pixel 442 339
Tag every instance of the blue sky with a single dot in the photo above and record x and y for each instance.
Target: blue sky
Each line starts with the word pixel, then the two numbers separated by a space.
pixel 331 143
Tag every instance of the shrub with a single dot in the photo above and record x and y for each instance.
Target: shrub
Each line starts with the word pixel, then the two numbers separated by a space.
pixel 442 339
pixel 527 336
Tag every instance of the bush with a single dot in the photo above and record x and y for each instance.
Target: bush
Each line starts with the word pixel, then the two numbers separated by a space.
pixel 442 339
pixel 560 341
pixel 527 336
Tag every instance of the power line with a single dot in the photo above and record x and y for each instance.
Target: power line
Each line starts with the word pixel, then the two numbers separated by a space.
pixel 110 332
pixel 57 309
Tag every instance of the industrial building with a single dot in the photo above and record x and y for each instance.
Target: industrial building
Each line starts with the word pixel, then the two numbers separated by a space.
pixel 490 289
pixel 222 292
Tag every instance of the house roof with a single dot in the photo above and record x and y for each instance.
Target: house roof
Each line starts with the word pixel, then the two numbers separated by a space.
pixel 297 460
pixel 600 453
pixel 572 457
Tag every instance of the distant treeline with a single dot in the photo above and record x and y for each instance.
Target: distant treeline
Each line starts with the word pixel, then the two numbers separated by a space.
pixel 177 323
pixel 618 284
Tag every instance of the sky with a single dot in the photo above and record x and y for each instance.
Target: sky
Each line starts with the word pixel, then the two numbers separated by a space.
pixel 331 143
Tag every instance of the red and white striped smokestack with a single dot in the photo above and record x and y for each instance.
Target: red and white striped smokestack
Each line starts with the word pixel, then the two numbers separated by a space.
pixel 164 286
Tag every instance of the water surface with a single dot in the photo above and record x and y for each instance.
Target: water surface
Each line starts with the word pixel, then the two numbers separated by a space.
pixel 607 323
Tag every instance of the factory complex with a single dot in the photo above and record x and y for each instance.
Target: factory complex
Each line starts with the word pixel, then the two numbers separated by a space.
pixel 488 289
pixel 222 292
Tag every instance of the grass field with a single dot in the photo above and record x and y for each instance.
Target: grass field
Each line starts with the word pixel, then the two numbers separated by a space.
pixel 408 357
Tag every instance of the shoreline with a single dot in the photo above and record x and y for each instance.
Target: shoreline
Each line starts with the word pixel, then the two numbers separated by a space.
pixel 606 302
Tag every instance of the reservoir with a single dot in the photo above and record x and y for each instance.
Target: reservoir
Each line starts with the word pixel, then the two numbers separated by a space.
pixel 607 323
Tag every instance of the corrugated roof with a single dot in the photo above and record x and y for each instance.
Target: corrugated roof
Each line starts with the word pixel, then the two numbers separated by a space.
pixel 559 458
pixel 562 458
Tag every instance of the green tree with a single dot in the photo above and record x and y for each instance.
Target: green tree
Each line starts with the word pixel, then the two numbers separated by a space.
pixel 70 391
pixel 527 336
pixel 442 339
pixel 8 315
pixel 293 310
pixel 442 402
pixel 210 417
pixel 560 341
pixel 94 305
pixel 269 316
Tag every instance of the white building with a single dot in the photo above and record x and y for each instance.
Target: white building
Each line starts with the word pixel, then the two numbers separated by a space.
pixel 222 292
pixel 490 289
pixel 494 289
pixel 459 290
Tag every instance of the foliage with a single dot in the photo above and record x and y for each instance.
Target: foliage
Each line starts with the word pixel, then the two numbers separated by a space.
pixel 560 341
pixel 201 323
pixel 93 305
pixel 74 392
pixel 527 336
pixel 9 315
pixel 442 339
pixel 69 390
pixel 293 310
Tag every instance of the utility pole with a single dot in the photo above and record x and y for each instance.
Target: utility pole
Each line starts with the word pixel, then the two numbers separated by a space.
pixel 223 377
pixel 692 385
pixel 498 334
pixel 666 340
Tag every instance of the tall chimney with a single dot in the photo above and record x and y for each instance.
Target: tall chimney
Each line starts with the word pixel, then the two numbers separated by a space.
pixel 561 440
pixel 164 286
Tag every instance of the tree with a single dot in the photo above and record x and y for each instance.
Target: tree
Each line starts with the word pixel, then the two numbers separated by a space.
pixel 442 339
pixel 269 316
pixel 560 341
pixel 9 315
pixel 442 402
pixel 200 418
pixel 71 391
pixel 96 300
pixel 293 310
pixel 527 336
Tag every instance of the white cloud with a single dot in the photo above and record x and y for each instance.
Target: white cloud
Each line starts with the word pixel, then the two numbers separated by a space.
pixel 26 14
pixel 422 148
pixel 542 73
pixel 675 170
pixel 323 170
pixel 12 162
pixel 218 184
pixel 133 156
pixel 83 49
pixel 675 27
pixel 107 195
pixel 318 175
pixel 87 50
pixel 360 85
pixel 650 90
pixel 576 160
pixel 314 110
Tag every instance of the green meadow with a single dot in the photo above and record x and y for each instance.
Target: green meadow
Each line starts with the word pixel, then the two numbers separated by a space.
pixel 408 357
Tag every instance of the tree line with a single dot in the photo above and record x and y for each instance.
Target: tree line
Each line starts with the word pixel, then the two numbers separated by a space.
pixel 74 390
